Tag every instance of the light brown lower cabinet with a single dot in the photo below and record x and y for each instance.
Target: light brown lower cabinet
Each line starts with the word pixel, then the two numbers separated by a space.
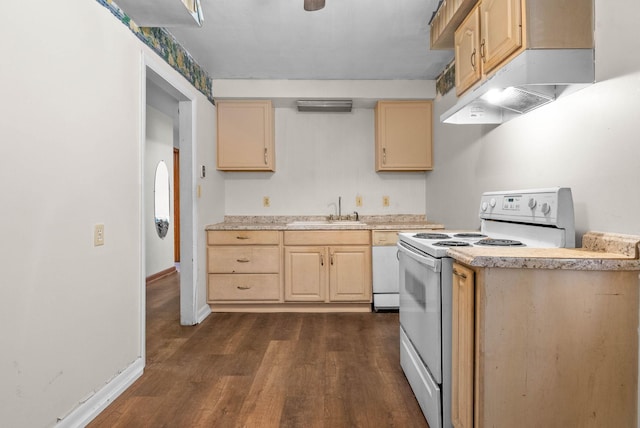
pixel 327 273
pixel 244 266
pixel 544 348
pixel 319 271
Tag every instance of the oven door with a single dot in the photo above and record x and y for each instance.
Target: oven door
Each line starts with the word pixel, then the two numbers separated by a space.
pixel 421 306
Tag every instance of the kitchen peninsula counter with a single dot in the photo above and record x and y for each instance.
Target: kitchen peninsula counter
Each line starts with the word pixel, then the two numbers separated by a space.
pixel 374 222
pixel 600 251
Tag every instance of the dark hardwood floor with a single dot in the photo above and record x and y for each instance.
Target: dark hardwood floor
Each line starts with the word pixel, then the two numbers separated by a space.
pixel 266 370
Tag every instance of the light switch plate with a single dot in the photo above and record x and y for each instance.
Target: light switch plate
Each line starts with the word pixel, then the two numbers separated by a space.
pixel 358 201
pixel 385 201
pixel 266 201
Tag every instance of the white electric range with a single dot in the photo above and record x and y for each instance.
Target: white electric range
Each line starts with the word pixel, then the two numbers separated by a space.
pixel 541 218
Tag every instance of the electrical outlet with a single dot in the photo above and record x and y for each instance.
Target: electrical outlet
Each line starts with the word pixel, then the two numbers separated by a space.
pixel 385 201
pixel 98 235
pixel 266 202
pixel 358 201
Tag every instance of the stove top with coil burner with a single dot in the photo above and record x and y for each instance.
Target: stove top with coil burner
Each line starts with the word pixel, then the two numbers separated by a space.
pixel 452 243
pixel 499 242
pixel 536 218
pixel 426 235
pixel 436 244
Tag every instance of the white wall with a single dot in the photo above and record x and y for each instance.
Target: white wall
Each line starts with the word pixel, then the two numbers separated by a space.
pixel 70 313
pixel 320 156
pixel 587 141
pixel 159 252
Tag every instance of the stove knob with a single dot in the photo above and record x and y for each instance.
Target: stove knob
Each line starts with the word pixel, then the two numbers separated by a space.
pixel 492 202
pixel 484 206
pixel 532 203
pixel 546 208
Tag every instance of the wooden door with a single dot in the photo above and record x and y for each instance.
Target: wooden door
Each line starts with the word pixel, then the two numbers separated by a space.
pixel 350 274
pixel 462 347
pixel 305 274
pixel 501 29
pixel 467 52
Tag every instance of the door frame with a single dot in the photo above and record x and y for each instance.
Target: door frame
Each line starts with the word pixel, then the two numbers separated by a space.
pixel 169 81
pixel 176 205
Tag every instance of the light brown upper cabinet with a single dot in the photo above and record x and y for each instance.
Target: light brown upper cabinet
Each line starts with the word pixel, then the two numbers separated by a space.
pixel 495 31
pixel 447 18
pixel 404 135
pixel 245 136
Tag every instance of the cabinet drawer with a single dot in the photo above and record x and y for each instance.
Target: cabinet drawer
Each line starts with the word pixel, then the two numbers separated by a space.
pixel 243 259
pixel 330 237
pixel 384 237
pixel 229 287
pixel 243 237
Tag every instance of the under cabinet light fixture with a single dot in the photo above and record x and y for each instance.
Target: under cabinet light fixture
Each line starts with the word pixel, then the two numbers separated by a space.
pixel 336 106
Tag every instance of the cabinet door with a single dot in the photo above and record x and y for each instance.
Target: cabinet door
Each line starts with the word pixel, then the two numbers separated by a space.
pixel 462 347
pixel 305 270
pixel 350 274
pixel 501 29
pixel 245 136
pixel 467 52
pixel 404 135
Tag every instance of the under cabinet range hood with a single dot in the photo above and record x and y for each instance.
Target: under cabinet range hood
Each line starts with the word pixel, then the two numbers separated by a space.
pixel 532 79
pixel 333 106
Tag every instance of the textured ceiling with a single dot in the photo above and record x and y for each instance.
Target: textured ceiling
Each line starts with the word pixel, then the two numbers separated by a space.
pixel 348 39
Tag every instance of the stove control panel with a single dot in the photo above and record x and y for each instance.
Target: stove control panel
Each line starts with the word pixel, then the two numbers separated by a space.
pixel 552 206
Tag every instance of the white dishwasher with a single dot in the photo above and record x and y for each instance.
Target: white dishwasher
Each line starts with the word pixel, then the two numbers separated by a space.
pixel 384 257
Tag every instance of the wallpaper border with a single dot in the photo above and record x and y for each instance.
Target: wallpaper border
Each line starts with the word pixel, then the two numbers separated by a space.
pixel 164 44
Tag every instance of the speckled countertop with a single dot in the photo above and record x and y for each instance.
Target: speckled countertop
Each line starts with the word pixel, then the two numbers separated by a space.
pixel 600 251
pixel 371 222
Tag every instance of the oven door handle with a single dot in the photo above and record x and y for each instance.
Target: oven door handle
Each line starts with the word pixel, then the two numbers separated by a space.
pixel 431 262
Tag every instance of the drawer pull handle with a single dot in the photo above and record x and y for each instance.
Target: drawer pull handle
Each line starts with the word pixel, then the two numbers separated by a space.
pixel 243 260
pixel 243 287
pixel 461 275
pixel 321 260
pixel 242 237
pixel 331 259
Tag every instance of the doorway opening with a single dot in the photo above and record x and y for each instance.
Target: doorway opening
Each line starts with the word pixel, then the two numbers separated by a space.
pixel 180 98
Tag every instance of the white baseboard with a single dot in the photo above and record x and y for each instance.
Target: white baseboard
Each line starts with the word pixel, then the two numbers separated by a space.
pixel 203 313
pixel 89 409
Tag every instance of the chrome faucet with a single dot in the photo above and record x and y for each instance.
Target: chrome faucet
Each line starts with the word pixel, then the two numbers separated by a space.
pixel 339 207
